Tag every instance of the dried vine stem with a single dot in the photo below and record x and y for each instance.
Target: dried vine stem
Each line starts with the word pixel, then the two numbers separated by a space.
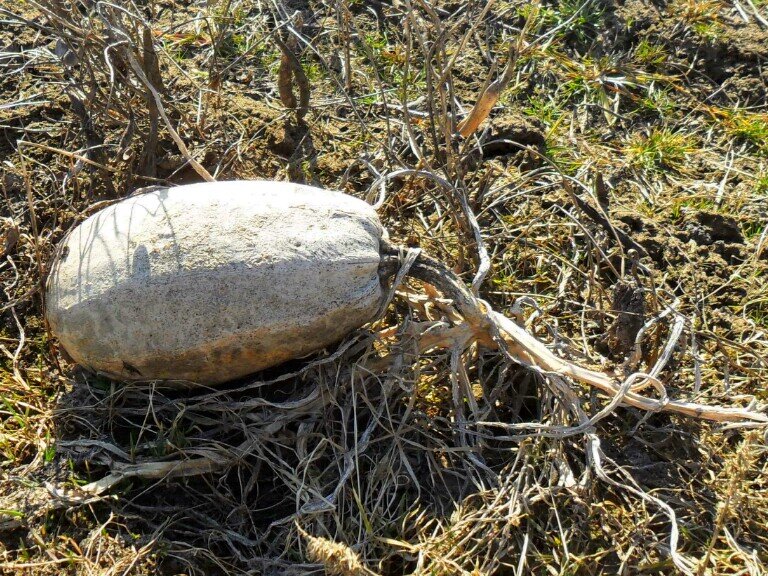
pixel 491 91
pixel 488 98
pixel 290 71
pixel 493 328
pixel 155 471
pixel 202 172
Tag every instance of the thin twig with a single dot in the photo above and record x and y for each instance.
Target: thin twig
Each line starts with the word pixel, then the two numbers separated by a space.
pixel 202 172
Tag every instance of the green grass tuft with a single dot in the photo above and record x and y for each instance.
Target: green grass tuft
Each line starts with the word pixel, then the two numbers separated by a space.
pixel 662 148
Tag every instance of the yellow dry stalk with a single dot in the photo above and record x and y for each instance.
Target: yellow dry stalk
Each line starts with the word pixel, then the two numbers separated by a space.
pixel 338 559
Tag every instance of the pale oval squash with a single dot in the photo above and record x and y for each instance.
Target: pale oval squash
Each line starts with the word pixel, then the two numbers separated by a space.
pixel 209 282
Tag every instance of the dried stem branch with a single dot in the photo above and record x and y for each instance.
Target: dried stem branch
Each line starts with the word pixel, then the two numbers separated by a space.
pixel 526 349
pixel 202 172
pixel 488 98
pixel 291 71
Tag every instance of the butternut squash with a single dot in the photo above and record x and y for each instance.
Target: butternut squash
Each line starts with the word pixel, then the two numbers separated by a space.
pixel 208 282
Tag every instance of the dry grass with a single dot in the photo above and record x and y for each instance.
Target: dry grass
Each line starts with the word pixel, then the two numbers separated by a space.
pixel 613 201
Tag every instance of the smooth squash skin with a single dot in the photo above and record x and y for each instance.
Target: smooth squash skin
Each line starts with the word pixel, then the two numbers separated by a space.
pixel 213 281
